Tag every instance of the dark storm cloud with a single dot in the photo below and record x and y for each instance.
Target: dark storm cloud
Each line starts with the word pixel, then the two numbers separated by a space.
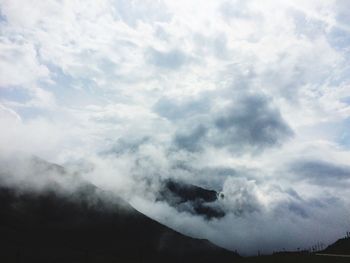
pixel 173 59
pixel 321 172
pixel 293 207
pixel 299 207
pixel 192 141
pixel 253 122
pixel 248 123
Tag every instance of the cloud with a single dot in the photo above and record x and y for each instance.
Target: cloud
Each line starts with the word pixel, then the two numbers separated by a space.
pixel 179 110
pixel 321 172
pixel 191 141
pixel 173 59
pixel 8 115
pixel 243 98
pixel 240 196
pixel 246 122
pixel 145 11
pixel 251 121
pixel 26 71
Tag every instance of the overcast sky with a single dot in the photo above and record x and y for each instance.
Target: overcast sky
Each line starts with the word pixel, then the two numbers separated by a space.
pixel 251 98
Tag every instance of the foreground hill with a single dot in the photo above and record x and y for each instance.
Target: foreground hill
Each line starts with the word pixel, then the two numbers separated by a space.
pixel 341 246
pixel 89 225
pixel 295 257
pixel 338 252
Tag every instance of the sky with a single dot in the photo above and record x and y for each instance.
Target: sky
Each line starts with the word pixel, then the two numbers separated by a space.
pixel 249 98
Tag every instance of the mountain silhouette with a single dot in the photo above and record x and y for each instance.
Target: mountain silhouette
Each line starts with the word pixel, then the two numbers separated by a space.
pixel 191 198
pixel 90 225
pixel 341 246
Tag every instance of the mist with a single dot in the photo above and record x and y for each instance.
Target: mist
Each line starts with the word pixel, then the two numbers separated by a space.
pixel 228 96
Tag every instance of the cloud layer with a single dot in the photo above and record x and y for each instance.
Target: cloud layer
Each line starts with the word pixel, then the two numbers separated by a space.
pixel 247 98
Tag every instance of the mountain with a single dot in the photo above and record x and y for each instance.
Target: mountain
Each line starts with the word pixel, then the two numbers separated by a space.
pixel 190 198
pixel 341 246
pixel 90 225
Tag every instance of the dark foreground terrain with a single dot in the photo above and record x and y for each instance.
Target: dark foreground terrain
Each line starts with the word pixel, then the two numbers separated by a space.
pixel 89 227
pixel 338 252
pixel 342 246
pixel 296 259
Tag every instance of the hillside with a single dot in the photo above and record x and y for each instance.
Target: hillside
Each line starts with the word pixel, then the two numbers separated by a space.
pixel 192 199
pixel 341 246
pixel 90 226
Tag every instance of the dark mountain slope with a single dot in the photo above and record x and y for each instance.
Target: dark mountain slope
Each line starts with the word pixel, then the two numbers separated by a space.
pixel 341 246
pixel 90 226
pixel 191 198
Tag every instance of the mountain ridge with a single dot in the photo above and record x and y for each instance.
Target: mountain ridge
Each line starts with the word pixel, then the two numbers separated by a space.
pixel 90 225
